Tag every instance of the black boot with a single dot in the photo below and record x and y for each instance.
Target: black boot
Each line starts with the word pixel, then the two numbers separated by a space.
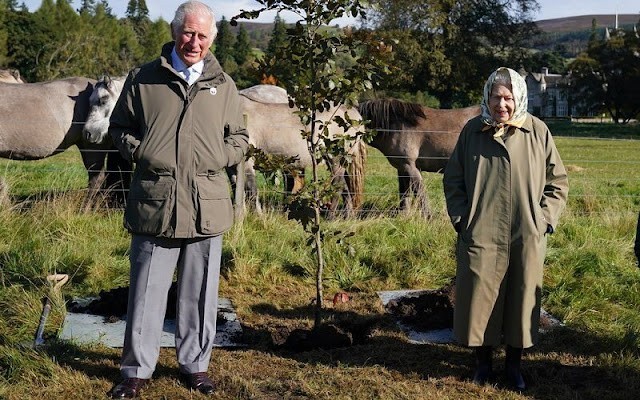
pixel 513 370
pixel 484 368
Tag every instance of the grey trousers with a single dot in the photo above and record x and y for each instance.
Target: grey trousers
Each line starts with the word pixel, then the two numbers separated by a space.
pixel 153 262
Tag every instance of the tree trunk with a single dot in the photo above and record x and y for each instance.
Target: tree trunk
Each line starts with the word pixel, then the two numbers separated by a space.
pixel 317 234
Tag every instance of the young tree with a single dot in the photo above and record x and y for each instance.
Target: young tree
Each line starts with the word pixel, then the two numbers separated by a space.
pixel 315 85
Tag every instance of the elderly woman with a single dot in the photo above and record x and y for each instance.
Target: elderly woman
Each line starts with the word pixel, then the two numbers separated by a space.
pixel 505 187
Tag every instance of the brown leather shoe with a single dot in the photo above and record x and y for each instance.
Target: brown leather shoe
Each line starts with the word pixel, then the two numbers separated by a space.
pixel 128 388
pixel 199 381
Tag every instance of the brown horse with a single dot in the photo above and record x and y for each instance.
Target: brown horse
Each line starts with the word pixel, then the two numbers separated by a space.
pixel 38 120
pixel 414 138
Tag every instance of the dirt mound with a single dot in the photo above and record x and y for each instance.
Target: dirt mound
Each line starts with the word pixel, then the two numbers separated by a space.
pixel 433 309
pixel 428 311
pixel 112 304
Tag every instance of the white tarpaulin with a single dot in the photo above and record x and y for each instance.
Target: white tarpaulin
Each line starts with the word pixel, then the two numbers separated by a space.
pixel 90 328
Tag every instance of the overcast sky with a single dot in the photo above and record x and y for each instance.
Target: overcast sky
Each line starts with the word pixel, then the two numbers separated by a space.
pixel 548 8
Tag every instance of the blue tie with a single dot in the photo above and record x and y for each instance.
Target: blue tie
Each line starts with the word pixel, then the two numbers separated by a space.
pixel 189 76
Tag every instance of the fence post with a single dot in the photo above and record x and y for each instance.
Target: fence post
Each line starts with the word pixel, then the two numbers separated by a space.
pixel 239 192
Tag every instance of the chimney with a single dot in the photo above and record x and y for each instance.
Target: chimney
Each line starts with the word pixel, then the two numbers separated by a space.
pixel 545 71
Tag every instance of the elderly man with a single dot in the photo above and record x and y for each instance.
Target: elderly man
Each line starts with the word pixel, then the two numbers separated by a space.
pixel 180 120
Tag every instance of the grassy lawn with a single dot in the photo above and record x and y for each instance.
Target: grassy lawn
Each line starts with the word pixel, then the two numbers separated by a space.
pixel 592 284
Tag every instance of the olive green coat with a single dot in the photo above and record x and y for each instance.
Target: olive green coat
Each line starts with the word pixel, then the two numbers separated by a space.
pixel 502 194
pixel 181 138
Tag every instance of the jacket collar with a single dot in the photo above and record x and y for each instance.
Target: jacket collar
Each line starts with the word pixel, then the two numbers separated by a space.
pixel 527 126
pixel 180 66
pixel 212 73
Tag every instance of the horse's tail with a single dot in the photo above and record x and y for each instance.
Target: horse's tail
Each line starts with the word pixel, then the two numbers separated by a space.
pixel 355 171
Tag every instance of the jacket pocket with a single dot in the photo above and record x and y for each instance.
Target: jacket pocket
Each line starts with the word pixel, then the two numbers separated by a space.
pixel 149 206
pixel 215 211
pixel 540 221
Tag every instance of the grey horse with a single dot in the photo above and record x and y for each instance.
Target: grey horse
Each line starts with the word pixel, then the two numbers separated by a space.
pixel 38 120
pixel 10 76
pixel 275 128
pixel 272 125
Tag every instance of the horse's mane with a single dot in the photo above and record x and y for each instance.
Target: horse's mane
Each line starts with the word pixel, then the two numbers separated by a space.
pixel 383 113
pixel 113 85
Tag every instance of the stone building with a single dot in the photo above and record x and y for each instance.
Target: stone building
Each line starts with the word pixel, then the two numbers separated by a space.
pixel 548 93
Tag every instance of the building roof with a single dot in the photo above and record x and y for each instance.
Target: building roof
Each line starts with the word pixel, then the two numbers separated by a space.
pixel 545 78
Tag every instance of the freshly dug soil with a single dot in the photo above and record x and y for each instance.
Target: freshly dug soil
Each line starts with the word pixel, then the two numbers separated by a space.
pixel 428 311
pixel 112 305
pixel 326 336
pixel 434 310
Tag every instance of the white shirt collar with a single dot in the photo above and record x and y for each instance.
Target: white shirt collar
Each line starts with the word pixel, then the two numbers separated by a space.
pixel 180 66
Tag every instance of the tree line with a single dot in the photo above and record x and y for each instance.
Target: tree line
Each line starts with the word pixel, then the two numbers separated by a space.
pixel 441 50
pixel 57 41
pixel 607 75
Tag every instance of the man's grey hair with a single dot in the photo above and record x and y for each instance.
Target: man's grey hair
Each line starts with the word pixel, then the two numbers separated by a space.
pixel 193 7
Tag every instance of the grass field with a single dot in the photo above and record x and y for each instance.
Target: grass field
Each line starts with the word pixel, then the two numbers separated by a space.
pixel 592 284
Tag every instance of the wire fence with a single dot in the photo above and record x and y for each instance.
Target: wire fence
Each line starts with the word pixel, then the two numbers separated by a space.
pixel 613 186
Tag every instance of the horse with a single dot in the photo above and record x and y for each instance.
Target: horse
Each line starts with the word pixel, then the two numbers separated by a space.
pixel 102 101
pixel 275 129
pixel 414 138
pixel 38 120
pixel 272 127
pixel 10 76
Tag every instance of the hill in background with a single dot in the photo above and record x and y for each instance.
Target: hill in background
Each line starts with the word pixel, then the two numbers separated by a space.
pixel 570 36
pixel 582 22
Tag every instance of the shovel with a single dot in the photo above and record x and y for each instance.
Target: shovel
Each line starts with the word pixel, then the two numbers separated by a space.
pixel 57 280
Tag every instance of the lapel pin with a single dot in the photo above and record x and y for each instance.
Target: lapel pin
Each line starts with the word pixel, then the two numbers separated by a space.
pixel 213 91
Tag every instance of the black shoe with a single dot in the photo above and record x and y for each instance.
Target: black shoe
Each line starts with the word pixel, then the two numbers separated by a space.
pixel 515 379
pixel 513 370
pixel 128 388
pixel 484 367
pixel 482 375
pixel 199 381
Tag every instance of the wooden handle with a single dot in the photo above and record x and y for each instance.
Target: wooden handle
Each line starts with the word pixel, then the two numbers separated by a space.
pixel 59 279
